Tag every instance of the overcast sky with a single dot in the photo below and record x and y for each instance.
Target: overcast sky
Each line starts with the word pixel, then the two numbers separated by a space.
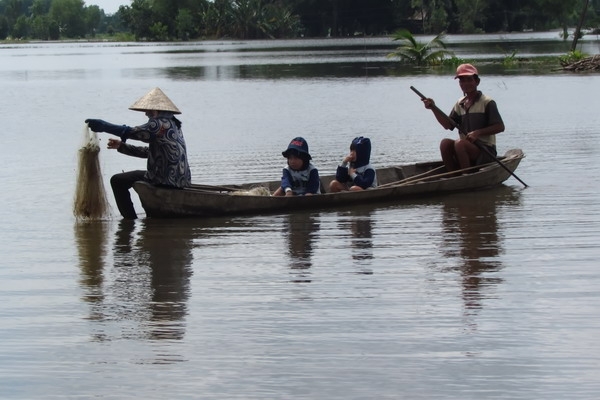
pixel 109 6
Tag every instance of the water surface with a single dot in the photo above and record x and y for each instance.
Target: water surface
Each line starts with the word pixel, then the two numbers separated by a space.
pixel 490 294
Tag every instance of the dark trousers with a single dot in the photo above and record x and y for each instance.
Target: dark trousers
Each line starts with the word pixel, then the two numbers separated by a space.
pixel 484 157
pixel 121 183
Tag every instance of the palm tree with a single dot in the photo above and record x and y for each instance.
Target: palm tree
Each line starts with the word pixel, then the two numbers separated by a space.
pixel 413 52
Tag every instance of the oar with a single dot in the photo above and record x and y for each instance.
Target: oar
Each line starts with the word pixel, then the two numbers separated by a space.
pixel 442 175
pixel 411 178
pixel 477 142
pixel 424 177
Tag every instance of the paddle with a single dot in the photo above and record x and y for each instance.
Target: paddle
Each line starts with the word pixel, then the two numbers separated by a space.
pixel 477 142
pixel 408 181
pixel 411 178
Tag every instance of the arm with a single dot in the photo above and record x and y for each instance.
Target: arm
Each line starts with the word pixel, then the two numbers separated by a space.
pixel 98 125
pixel 495 123
pixel 341 174
pixel 442 118
pixel 146 132
pixel 134 151
pixel 488 130
pixel 314 183
pixel 286 182
pixel 365 180
pixel 127 149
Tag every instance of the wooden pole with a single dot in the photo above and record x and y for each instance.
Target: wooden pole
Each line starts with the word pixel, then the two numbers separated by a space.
pixel 578 29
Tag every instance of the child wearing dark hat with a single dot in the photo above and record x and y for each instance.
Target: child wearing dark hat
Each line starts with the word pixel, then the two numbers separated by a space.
pixel 300 177
pixel 355 172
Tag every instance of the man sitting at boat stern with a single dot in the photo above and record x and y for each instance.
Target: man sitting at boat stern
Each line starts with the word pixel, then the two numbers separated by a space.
pixel 355 172
pixel 477 118
pixel 166 152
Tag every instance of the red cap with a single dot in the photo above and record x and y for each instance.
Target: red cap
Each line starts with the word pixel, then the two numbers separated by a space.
pixel 466 70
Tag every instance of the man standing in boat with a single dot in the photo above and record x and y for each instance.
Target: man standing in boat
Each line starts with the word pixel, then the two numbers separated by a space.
pixel 477 118
pixel 166 151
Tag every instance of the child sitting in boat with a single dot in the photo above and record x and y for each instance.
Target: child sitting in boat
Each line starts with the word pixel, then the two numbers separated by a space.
pixel 355 172
pixel 300 177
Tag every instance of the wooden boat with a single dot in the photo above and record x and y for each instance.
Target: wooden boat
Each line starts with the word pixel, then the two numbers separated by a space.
pixel 396 183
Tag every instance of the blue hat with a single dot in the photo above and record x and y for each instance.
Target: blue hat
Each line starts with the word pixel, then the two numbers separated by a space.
pixel 299 147
pixel 362 146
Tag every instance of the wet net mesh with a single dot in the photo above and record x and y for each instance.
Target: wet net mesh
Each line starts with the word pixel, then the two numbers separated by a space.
pixel 90 197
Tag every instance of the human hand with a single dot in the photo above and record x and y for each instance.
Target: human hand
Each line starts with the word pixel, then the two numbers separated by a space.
pixel 113 144
pixel 428 102
pixel 289 193
pixel 97 125
pixel 349 158
pixel 472 136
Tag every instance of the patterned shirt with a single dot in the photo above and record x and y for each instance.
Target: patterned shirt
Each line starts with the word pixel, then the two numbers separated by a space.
pixel 166 152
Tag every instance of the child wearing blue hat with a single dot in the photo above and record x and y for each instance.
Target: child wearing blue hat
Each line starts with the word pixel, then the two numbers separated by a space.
pixel 300 177
pixel 355 172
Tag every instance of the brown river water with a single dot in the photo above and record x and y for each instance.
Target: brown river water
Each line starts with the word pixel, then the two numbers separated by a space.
pixel 483 295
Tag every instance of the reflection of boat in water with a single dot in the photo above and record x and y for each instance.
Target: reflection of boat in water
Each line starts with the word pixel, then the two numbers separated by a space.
pixel 395 184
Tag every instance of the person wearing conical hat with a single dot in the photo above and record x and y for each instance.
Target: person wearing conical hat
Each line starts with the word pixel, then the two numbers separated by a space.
pixel 476 115
pixel 166 153
pixel 299 177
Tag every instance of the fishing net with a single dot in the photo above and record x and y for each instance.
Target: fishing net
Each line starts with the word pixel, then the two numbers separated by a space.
pixel 255 191
pixel 90 197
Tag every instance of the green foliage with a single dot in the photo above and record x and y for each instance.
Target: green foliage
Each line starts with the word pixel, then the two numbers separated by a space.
pixel 413 52
pixel 69 14
pixel 159 32
pixel 185 24
pixel 454 61
pixel 21 27
pixel 257 19
pixel 510 60
pixel 124 37
pixel 4 27
pixel 39 27
pixel 571 57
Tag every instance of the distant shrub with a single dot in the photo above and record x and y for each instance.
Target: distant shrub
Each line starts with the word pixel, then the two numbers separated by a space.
pixel 571 57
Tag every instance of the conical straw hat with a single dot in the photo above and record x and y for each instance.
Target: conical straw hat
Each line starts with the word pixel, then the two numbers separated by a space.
pixel 155 100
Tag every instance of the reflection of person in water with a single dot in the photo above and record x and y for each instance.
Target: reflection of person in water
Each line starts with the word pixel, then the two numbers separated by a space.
pixel 471 223
pixel 360 225
pixel 150 281
pixel 362 235
pixel 301 229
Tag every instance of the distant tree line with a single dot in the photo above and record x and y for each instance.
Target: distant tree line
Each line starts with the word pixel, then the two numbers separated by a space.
pixel 158 20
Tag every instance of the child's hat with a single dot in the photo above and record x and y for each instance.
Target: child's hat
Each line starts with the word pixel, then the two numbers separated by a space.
pixel 299 146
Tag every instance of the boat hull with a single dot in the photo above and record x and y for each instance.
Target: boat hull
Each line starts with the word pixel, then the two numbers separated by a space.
pixel 396 184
